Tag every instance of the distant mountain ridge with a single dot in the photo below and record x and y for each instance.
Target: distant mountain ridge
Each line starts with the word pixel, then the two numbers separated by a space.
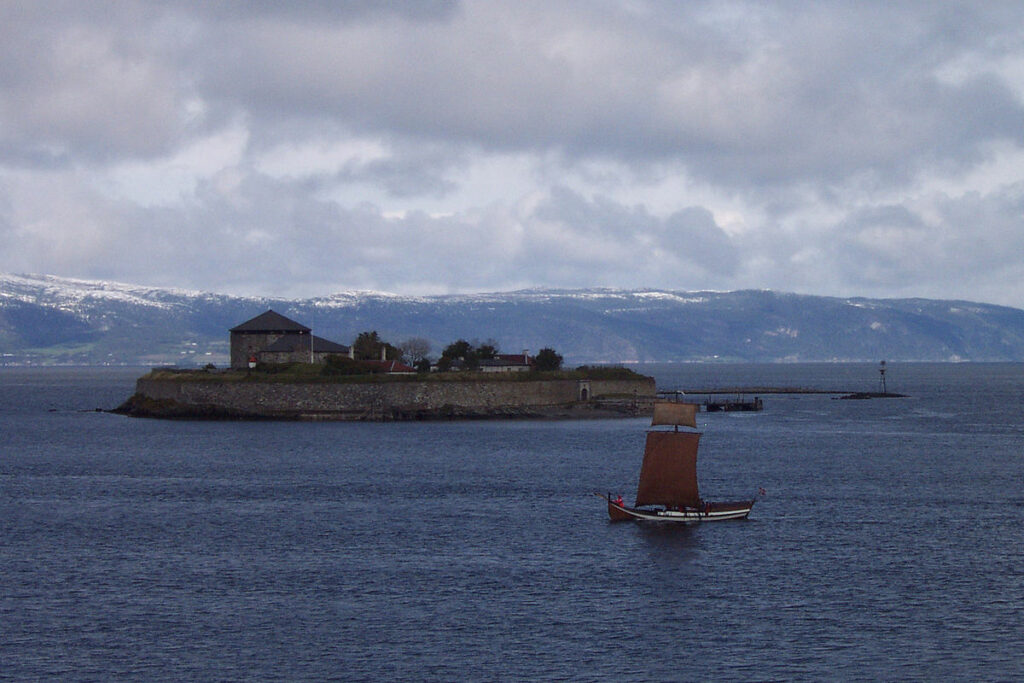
pixel 51 320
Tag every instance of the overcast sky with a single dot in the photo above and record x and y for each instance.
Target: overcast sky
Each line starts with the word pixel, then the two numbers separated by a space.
pixel 297 149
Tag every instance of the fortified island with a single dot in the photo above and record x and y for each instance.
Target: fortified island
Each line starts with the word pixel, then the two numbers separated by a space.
pixel 280 370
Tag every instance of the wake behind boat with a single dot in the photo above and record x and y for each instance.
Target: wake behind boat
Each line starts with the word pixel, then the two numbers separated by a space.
pixel 668 490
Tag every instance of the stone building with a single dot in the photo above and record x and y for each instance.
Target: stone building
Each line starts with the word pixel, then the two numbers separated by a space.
pixel 272 338
pixel 297 349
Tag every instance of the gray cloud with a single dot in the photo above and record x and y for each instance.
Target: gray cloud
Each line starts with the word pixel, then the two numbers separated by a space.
pixel 837 148
pixel 884 246
pixel 702 242
pixel 73 91
pixel 321 11
pixel 782 99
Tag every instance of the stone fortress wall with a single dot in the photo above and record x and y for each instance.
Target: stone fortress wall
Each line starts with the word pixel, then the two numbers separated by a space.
pixel 388 400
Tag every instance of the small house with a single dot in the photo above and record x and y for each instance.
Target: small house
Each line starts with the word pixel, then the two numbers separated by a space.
pixel 504 362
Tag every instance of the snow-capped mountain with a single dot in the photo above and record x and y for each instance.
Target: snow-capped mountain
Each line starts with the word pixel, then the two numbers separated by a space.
pixel 51 320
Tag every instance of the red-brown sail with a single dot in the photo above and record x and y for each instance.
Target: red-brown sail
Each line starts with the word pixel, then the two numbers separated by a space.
pixel 668 475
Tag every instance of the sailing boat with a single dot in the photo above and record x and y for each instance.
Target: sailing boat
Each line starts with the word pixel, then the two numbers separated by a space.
pixel 668 477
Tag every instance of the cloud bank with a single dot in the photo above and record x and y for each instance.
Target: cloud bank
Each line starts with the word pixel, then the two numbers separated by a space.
pixel 297 149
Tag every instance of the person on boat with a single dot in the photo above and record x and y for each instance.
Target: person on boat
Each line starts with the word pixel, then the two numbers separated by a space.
pixel 618 500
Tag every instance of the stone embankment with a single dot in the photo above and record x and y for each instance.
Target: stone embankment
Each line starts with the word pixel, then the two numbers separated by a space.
pixel 169 397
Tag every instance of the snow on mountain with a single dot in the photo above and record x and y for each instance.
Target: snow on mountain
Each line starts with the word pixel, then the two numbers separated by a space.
pixel 46 319
pixel 66 292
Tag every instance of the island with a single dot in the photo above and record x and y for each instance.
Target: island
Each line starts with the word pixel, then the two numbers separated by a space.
pixel 279 370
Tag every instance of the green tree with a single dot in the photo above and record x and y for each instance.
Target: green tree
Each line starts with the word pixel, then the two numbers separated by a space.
pixel 461 351
pixel 368 346
pixel 487 350
pixel 547 360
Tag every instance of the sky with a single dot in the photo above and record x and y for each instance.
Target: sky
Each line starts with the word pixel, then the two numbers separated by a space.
pixel 305 148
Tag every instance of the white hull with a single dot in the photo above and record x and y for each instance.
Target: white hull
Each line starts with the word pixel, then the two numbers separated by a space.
pixel 716 512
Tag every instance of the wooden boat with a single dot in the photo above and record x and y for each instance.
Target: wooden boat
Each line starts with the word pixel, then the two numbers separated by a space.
pixel 668 491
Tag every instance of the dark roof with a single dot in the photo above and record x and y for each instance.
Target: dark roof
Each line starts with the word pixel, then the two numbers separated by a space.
pixel 270 321
pixel 292 343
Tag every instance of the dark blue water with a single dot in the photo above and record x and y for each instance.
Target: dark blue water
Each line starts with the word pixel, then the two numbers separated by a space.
pixel 890 544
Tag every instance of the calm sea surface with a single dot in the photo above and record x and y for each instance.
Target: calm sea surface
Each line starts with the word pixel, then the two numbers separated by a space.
pixel 890 545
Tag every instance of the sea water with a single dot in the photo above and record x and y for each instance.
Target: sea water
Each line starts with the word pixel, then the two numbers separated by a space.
pixel 889 544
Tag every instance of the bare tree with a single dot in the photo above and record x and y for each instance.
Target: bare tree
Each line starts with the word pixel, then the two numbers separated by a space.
pixel 415 349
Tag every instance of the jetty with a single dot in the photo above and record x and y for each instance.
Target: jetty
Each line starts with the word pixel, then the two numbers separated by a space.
pixel 730 405
pixel 740 403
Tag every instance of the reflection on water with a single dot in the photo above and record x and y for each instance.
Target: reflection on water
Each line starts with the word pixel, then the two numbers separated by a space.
pixel 670 546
